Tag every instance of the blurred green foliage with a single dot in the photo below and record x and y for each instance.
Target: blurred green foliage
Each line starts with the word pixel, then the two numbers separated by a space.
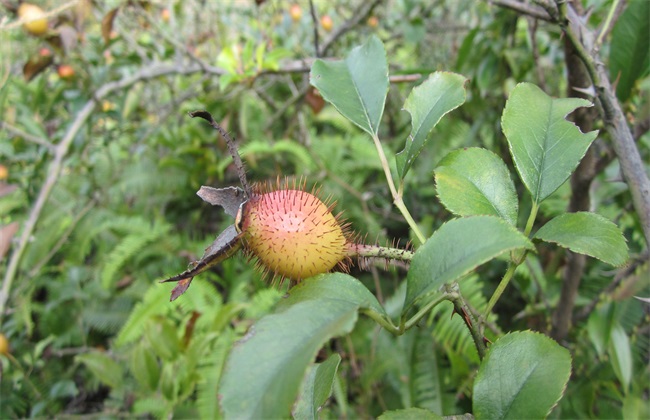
pixel 91 330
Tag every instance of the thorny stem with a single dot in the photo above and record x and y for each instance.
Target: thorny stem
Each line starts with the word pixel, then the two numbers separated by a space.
pixel 397 195
pixel 461 307
pixel 376 251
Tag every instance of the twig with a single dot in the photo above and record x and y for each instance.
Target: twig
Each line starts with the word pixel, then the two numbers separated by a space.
pixel 29 137
pixel 232 148
pixel 45 15
pixel 623 141
pixel 63 239
pixel 360 14
pixel 314 19
pixel 523 8
pixel 618 279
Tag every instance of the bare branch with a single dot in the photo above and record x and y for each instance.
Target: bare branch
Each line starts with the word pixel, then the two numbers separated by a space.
pixel 232 148
pixel 523 8
pixel 29 137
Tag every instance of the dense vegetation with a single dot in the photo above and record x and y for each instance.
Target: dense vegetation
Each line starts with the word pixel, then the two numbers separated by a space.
pixel 420 119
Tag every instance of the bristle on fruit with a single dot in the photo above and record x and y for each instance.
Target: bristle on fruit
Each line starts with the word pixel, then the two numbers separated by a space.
pixel 292 233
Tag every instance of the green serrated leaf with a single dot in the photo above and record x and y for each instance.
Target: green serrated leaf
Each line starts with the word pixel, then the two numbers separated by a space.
pixel 337 286
pixel 586 233
pixel 545 147
pixel 103 367
pixel 263 373
pixel 458 247
pixel 440 94
pixel 629 53
pixel 475 181
pixel 523 376
pixel 316 388
pixel 357 86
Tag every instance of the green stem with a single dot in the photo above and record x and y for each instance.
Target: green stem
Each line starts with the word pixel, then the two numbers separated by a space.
pixel 500 289
pixel 409 219
pixel 517 259
pixel 531 218
pixel 608 22
pixel 397 195
pixel 383 320
pixel 424 310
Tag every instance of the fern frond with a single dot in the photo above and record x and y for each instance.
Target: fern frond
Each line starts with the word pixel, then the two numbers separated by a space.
pixel 108 318
pixel 207 401
pixel 153 303
pixel 425 381
pixel 127 249
pixel 262 302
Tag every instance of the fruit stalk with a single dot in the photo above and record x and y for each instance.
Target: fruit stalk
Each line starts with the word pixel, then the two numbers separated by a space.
pixel 376 251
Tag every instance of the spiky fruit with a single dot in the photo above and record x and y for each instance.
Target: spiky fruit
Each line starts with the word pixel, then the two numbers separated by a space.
pixel 292 233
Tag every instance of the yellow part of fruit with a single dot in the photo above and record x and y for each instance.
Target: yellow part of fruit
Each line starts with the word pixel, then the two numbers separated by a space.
pixel 293 233
pixel 35 22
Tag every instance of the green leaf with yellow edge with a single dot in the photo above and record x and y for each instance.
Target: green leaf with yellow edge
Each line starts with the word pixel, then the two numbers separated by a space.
pixel 474 181
pixel 586 233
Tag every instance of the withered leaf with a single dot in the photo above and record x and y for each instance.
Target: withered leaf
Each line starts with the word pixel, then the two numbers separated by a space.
pixel 6 234
pixel 107 24
pixel 36 65
pixel 229 198
pixel 226 244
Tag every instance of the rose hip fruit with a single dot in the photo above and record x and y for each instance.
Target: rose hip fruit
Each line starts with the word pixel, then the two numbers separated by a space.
pixel 292 233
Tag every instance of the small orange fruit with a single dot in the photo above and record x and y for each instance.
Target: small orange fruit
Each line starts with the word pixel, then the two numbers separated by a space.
pixel 35 23
pixel 326 22
pixel 4 173
pixel 4 345
pixel 295 12
pixel 65 72
pixel 373 22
